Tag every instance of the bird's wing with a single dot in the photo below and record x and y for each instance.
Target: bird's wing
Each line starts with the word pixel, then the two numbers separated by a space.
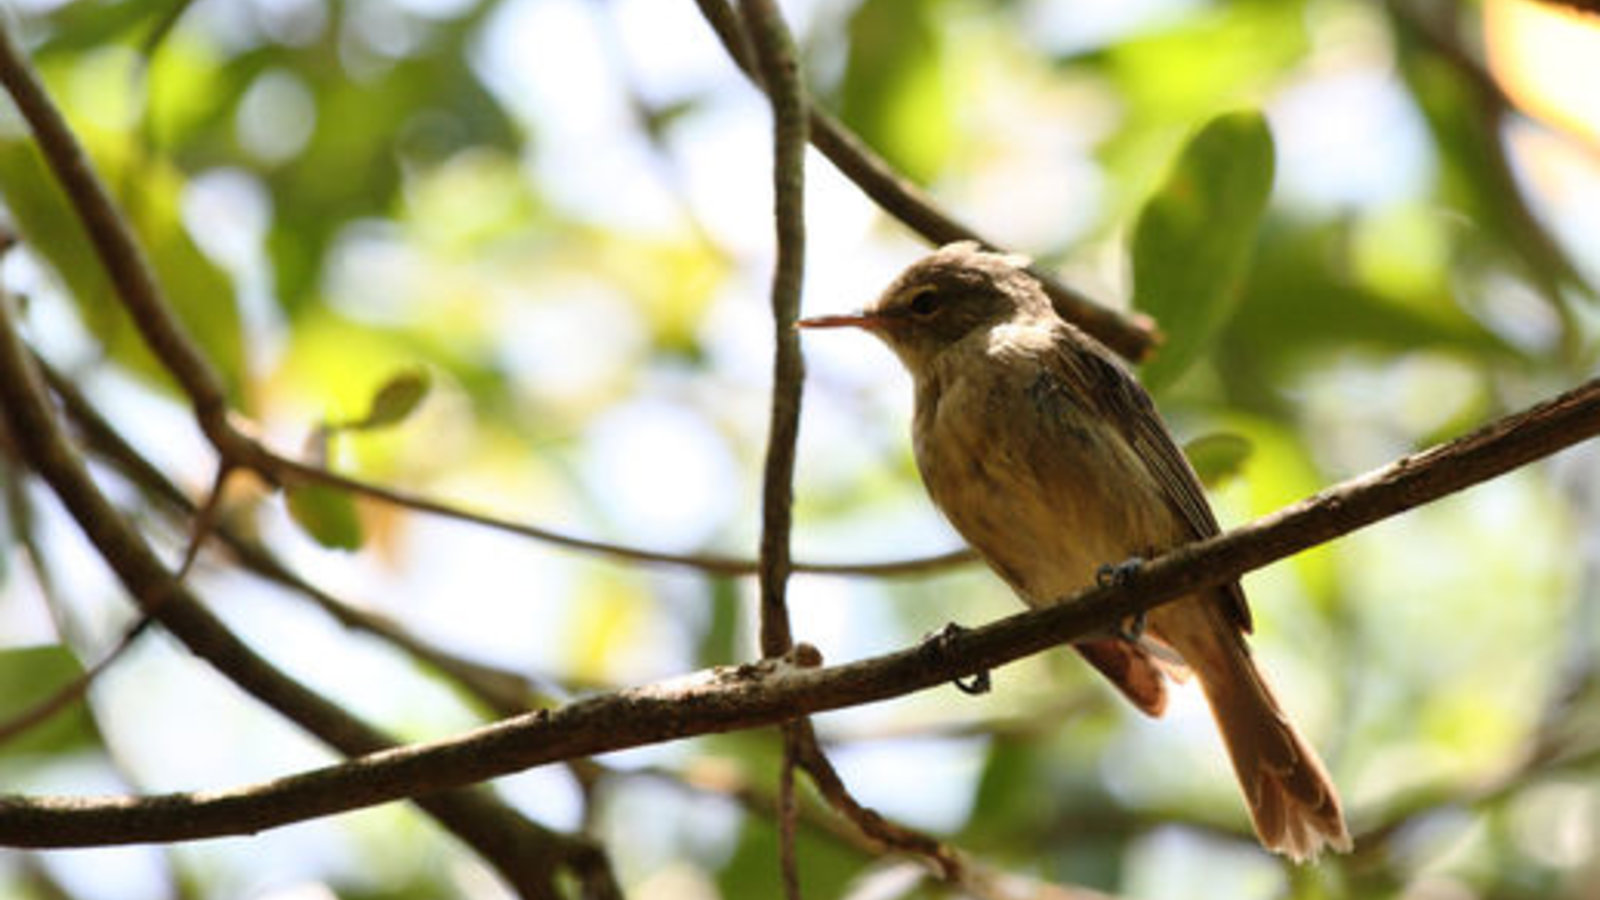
pixel 1120 399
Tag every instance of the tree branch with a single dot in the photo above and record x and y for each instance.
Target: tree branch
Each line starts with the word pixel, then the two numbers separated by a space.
pixel 141 294
pixel 759 695
pixel 113 241
pixel 774 51
pixel 780 73
pixel 525 854
pixel 285 470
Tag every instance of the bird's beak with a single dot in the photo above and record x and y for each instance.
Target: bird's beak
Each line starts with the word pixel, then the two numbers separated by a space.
pixel 865 320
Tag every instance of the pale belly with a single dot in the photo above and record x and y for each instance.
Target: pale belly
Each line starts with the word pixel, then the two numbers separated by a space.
pixel 1047 500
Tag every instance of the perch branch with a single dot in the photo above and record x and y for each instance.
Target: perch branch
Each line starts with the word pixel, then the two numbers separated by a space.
pixel 754 696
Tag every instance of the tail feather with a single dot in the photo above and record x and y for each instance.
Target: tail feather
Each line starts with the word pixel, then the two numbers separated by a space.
pixel 1129 667
pixel 1292 801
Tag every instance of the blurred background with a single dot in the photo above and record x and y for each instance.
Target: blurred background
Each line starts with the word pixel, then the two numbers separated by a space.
pixel 550 220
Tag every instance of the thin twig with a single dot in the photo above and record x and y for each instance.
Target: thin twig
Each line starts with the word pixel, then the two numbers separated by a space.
pixel 73 691
pixel 758 696
pixel 887 833
pixel 1130 334
pixel 788 816
pixel 977 880
pixel 780 72
pixel 289 471
pixel 204 522
pixel 504 691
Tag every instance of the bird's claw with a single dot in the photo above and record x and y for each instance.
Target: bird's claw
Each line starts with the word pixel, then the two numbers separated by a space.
pixel 1120 574
pixel 979 682
pixel 976 685
pixel 1108 575
pixel 1131 629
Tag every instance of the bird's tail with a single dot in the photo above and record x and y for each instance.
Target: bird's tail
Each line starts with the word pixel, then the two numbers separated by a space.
pixel 1292 801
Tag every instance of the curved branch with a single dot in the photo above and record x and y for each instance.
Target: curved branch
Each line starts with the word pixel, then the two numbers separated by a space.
pixel 286 470
pixel 780 73
pixel 759 695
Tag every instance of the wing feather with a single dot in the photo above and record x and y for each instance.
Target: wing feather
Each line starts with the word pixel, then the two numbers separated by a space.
pixel 1119 398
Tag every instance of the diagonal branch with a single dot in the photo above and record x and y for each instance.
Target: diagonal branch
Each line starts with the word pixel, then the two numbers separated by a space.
pixel 524 853
pixel 1133 336
pixel 113 240
pixel 755 696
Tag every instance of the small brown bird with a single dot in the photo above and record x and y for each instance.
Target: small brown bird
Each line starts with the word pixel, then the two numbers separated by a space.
pixel 1050 459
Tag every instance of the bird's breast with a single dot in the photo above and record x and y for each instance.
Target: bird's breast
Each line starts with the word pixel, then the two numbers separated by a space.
pixel 1040 486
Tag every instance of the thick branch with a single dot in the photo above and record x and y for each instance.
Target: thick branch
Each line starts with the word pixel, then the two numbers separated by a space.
pixel 747 697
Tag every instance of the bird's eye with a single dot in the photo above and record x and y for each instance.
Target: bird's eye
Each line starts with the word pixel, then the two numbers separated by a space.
pixel 925 302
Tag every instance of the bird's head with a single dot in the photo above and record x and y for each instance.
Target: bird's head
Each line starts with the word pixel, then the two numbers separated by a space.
pixel 956 291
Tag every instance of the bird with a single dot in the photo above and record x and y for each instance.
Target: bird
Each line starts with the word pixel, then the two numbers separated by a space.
pixel 1049 458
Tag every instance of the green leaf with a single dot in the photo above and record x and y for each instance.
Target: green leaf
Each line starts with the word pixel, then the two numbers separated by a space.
pixel 1218 456
pixel 1309 295
pixel 894 93
pixel 30 675
pixel 1193 239
pixel 395 401
pixel 327 514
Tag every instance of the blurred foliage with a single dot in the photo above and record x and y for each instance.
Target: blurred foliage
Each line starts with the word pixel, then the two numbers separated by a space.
pixel 512 254
pixel 1193 238
pixel 29 676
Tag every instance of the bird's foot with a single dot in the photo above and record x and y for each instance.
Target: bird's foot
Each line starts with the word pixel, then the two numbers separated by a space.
pixel 1120 574
pixel 1131 629
pixel 1123 573
pixel 979 682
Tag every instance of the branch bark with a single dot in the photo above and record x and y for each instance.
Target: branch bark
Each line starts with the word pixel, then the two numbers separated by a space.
pixel 780 72
pixel 772 692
